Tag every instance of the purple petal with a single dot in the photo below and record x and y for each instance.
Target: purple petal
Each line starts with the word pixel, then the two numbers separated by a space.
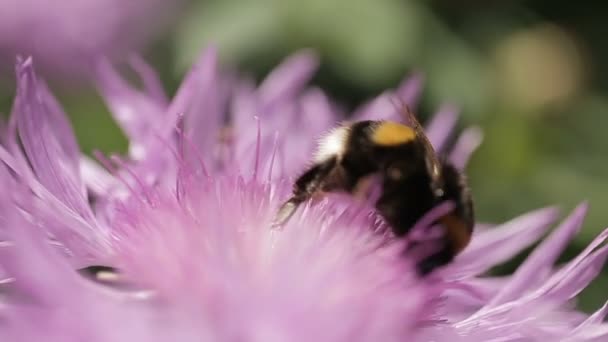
pixel 387 105
pixel 318 114
pixel 34 274
pixel 576 274
pixel 410 89
pixel 60 124
pixel 155 153
pixel 151 82
pixel 575 281
pixel 499 244
pixel 204 117
pixel 135 112
pixel 96 178
pixel 202 73
pixel 439 129
pixel 287 79
pixel 379 108
pixel 49 143
pixel 80 237
pixel 596 318
pixel 466 144
pixel 597 333
pixel 593 327
pixel 560 287
pixel 542 258
pixel 476 294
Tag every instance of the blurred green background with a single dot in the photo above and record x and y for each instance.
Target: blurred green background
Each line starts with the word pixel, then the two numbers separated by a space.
pixel 531 73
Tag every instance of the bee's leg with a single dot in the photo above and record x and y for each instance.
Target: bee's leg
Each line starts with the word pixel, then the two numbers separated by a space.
pixel 324 176
pixel 287 209
pixel 100 273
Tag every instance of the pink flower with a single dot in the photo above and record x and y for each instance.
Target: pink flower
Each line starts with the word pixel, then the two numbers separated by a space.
pixel 186 218
pixel 65 36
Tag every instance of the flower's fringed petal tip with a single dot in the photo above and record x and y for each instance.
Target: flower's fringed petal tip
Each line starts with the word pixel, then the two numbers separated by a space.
pixel 98 180
pixel 134 111
pixel 572 278
pixel 288 79
pixel 204 113
pixel 575 281
pixel 150 79
pixel 318 111
pixel 29 259
pixel 543 306
pixel 543 257
pixel 441 126
pixel 48 141
pixel 593 328
pixel 466 144
pixel 201 74
pixel 390 104
pixel 48 163
pixel 497 245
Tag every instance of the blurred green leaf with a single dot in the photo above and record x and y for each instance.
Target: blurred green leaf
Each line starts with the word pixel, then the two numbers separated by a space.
pixel 239 28
pixel 367 42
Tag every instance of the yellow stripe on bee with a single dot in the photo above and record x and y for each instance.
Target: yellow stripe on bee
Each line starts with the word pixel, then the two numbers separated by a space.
pixel 392 133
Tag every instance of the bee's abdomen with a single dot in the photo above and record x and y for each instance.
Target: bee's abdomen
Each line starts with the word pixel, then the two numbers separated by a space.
pixel 405 201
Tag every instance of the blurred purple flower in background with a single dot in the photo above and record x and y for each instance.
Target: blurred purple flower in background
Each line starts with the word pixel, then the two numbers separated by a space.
pixel 186 217
pixel 64 36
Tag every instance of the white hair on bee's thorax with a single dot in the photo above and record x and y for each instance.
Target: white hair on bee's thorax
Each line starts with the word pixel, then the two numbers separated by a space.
pixel 333 144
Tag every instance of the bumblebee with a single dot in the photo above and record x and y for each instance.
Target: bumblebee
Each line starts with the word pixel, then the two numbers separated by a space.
pixel 412 179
